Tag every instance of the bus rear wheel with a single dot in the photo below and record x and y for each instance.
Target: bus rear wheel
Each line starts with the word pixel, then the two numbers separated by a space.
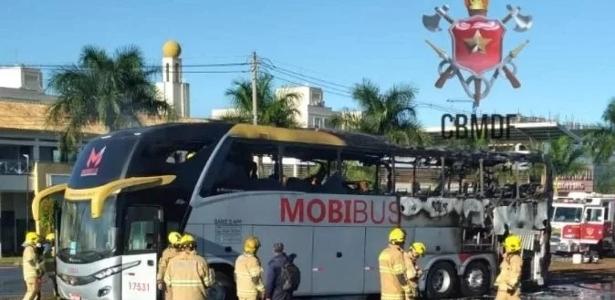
pixel 223 289
pixel 476 279
pixel 441 281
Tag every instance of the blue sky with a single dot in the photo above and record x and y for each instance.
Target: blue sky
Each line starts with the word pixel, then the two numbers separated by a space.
pixel 566 70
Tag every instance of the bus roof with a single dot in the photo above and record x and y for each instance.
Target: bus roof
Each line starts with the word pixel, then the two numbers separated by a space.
pixel 327 137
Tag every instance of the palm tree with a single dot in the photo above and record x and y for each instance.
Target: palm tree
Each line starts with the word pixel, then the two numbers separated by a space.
pixel 275 109
pixel 601 141
pixel 113 91
pixel 565 156
pixel 391 114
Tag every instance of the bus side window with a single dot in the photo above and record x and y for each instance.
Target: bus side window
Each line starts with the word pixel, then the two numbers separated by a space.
pixel 239 170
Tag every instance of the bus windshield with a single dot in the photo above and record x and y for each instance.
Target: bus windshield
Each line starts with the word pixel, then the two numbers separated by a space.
pixel 567 214
pixel 84 239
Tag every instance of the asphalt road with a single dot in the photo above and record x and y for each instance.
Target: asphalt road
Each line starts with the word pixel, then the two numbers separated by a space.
pixel 568 281
pixel 12 285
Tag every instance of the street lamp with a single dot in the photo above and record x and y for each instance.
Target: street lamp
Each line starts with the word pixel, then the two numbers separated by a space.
pixel 27 190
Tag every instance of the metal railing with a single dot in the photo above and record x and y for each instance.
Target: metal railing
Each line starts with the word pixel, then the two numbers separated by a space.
pixel 14 167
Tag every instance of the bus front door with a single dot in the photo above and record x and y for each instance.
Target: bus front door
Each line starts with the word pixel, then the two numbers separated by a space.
pixel 142 243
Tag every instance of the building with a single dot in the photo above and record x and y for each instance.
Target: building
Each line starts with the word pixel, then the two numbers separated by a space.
pixel 29 147
pixel 25 143
pixel 172 88
pixel 311 106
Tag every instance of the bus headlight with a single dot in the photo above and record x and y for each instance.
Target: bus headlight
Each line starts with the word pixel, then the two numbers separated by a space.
pixel 76 280
pixel 114 270
pixel 108 272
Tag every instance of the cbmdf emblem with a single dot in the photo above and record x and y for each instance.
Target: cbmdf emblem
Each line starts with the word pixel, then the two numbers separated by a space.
pixel 477 47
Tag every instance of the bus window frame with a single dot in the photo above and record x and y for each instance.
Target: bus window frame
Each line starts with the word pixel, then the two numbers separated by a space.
pixel 219 157
pixel 158 227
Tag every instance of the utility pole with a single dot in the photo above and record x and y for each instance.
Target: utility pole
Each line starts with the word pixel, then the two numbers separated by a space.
pixel 254 76
pixel 27 172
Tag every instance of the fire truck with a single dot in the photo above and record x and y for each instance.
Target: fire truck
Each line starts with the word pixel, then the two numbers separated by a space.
pixel 303 187
pixel 583 223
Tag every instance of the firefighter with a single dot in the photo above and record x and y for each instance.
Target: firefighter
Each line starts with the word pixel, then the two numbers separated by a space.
pixel 413 272
pixel 248 272
pixel 50 264
pixel 32 266
pixel 187 275
pixel 173 248
pixel 508 281
pixel 393 282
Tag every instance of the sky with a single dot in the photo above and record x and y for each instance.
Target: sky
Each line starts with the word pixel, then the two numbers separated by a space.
pixel 567 70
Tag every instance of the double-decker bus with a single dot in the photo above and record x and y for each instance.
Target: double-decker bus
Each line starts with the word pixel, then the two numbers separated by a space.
pixel 330 197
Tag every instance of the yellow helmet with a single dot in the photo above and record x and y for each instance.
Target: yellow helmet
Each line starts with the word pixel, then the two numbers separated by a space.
pixel 50 236
pixel 251 244
pixel 419 248
pixel 174 237
pixel 397 235
pixel 187 239
pixel 32 237
pixel 512 243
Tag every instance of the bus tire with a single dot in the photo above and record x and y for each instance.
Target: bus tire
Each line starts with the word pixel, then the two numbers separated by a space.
pixel 476 280
pixel 223 289
pixel 441 281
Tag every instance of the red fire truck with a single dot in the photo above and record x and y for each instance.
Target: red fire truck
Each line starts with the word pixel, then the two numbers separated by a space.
pixel 583 223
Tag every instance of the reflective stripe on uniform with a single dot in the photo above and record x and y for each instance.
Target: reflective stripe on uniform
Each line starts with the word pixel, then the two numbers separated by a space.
pixel 255 271
pixel 391 296
pixel 398 269
pixel 243 274
pixel 185 282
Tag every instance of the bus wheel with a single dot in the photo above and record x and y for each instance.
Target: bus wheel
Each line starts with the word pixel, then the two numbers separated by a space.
pixel 441 281
pixel 223 289
pixel 476 280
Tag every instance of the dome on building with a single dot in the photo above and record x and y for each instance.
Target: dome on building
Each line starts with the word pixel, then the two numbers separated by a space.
pixel 171 49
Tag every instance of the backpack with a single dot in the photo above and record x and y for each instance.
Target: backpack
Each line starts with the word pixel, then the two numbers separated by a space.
pixel 290 277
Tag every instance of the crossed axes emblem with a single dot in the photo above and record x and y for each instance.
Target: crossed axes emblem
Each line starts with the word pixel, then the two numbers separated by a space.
pixel 451 67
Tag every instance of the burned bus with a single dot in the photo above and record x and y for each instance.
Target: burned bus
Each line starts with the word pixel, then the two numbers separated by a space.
pixel 330 196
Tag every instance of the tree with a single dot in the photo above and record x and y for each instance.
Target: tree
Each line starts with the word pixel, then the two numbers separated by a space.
pixel 391 114
pixel 601 140
pixel 272 109
pixel 112 91
pixel 565 156
pixel 605 178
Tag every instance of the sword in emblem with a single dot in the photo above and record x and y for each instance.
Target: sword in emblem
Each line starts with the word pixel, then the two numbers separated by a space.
pixel 510 75
pixel 449 72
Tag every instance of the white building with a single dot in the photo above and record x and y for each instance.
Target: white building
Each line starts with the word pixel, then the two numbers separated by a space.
pixel 172 88
pixel 23 83
pixel 311 106
pixel 312 112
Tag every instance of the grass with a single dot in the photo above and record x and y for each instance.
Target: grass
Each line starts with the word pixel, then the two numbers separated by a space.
pixel 10 261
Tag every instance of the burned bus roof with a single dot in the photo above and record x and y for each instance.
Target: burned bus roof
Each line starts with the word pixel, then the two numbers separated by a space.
pixel 326 137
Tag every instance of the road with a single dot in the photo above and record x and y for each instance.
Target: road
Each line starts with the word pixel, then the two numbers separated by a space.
pixel 12 285
pixel 568 281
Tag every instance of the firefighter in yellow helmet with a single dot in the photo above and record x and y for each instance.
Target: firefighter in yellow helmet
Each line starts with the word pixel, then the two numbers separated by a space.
pixel 508 281
pixel 393 282
pixel 50 263
pixel 413 272
pixel 173 248
pixel 32 266
pixel 248 271
pixel 188 276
